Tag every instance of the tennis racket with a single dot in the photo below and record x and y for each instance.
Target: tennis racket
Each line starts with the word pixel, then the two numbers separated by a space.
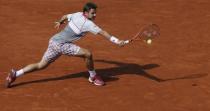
pixel 150 31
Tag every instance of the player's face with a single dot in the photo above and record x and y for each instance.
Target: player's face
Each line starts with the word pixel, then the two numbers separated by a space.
pixel 92 14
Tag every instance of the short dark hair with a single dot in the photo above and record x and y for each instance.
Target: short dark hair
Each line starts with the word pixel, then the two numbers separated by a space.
pixel 88 6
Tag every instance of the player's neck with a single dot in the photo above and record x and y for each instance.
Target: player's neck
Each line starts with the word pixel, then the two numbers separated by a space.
pixel 85 15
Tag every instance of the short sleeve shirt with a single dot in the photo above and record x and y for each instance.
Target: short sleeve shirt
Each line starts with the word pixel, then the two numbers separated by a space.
pixel 80 24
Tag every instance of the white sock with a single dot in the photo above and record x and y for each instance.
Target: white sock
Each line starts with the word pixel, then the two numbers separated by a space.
pixel 92 73
pixel 19 73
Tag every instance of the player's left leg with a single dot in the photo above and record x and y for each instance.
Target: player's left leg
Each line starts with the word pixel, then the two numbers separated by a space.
pixel 87 55
pixel 94 78
pixel 74 50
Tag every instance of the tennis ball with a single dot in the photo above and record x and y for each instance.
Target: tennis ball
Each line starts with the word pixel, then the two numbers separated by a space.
pixel 149 41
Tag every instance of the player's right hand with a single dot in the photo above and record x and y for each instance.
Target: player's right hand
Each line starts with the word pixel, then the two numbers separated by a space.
pixel 123 42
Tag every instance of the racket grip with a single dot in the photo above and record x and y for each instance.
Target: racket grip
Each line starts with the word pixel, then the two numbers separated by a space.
pixel 127 41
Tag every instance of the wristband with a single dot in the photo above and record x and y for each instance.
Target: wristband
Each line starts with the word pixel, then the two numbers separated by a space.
pixel 114 40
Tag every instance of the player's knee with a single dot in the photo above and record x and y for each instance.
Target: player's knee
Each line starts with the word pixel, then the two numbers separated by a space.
pixel 42 65
pixel 88 54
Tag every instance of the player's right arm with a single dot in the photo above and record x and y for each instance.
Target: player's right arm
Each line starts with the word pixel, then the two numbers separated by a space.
pixel 93 28
pixel 111 38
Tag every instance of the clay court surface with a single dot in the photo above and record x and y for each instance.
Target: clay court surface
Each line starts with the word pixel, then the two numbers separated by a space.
pixel 172 74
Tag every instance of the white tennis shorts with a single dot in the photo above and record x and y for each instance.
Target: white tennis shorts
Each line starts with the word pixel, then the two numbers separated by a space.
pixel 56 49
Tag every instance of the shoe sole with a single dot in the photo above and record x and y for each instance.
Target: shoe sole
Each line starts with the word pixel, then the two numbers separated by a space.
pixel 98 84
pixel 8 84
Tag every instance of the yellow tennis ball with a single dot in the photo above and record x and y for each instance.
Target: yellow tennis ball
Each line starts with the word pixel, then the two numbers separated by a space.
pixel 149 41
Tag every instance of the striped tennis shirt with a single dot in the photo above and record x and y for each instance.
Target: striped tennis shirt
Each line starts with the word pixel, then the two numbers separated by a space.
pixel 78 25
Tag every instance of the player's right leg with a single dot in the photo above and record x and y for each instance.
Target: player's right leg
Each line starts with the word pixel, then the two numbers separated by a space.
pixel 29 68
pixel 36 66
pixel 49 56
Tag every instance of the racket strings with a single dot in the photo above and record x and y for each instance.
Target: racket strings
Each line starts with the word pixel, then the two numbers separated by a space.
pixel 148 32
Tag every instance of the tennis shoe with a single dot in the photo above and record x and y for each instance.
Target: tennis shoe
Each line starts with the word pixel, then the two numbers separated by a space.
pixel 96 80
pixel 10 78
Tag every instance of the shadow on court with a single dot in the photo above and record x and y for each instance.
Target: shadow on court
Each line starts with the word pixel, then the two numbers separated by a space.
pixel 110 74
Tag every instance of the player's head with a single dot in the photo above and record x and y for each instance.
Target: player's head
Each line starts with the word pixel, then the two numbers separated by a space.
pixel 89 10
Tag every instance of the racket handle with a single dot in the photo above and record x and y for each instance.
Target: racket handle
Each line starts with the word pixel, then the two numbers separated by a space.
pixel 127 41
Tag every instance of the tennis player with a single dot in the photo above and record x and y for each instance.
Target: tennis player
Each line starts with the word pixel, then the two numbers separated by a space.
pixel 62 43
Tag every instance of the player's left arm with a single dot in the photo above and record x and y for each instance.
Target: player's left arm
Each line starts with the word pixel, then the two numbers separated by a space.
pixel 112 38
pixel 63 19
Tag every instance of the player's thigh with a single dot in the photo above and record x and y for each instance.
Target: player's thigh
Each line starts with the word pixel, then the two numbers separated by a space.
pixel 74 50
pixel 83 53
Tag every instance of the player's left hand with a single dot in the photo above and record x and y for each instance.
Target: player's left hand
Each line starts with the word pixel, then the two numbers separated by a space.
pixel 57 25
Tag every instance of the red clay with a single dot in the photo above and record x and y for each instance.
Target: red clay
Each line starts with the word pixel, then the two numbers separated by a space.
pixel 172 74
